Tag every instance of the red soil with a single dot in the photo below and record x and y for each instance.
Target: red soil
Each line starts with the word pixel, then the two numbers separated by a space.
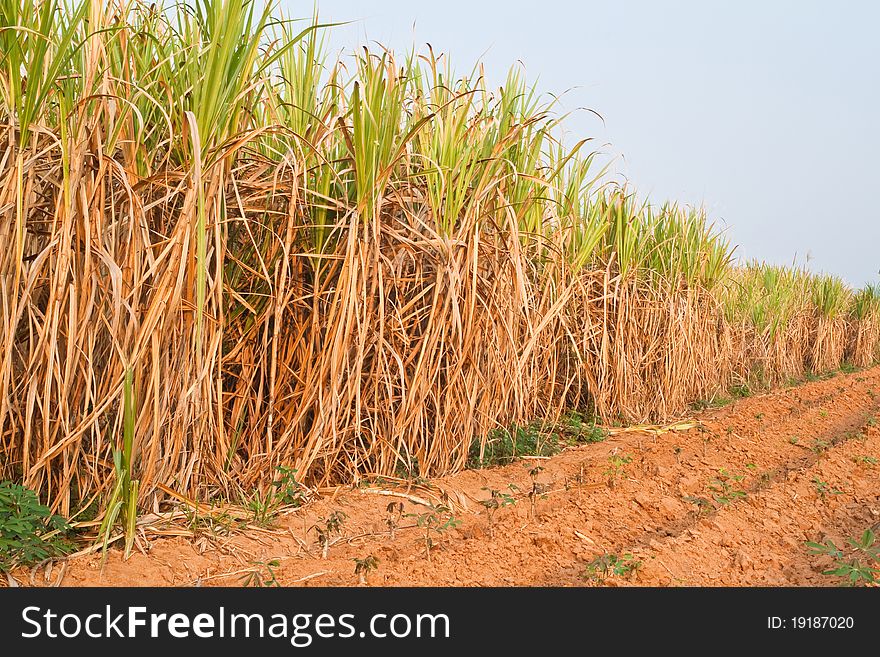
pixel 755 539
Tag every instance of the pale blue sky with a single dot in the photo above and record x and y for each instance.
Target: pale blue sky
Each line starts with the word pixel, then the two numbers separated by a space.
pixel 765 112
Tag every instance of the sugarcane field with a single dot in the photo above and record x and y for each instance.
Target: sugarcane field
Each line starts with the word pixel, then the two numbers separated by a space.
pixel 273 315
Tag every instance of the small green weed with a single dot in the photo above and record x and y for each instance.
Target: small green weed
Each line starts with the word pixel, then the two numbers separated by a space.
pixel 285 490
pixel 325 529
pixel 616 469
pixel 611 565
pixel 823 488
pixel 436 521
pixel 819 446
pixel 497 500
pixel 262 574
pixel 854 571
pixel 703 505
pixel 29 532
pixel 364 566
pixel 288 490
pixel 577 430
pixel 504 446
pixel 741 391
pixel 724 487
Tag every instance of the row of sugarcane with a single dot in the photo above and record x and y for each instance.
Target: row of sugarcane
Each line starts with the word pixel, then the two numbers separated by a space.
pixel 224 252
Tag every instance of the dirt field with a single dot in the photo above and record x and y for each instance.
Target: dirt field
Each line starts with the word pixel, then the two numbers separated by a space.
pixel 730 501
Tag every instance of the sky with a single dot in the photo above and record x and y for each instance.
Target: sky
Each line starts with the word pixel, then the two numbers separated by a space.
pixel 763 112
